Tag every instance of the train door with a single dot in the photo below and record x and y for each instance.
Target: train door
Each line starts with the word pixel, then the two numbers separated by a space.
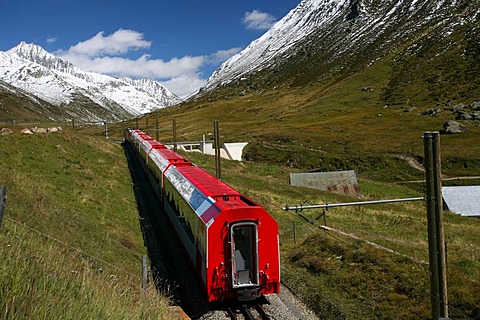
pixel 244 242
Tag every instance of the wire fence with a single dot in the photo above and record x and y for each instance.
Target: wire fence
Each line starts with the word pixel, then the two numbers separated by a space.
pixel 110 130
pixel 73 248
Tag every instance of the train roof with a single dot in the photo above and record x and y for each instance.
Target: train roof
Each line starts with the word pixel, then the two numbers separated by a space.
pixel 155 144
pixel 171 156
pixel 206 183
pixel 145 136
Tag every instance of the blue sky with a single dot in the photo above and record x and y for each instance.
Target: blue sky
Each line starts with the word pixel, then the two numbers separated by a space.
pixel 177 42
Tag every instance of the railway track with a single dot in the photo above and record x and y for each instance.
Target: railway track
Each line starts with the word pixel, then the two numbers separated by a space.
pixel 171 273
pixel 253 311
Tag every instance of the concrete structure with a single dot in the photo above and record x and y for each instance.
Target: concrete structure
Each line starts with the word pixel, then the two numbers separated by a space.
pixel 464 201
pixel 344 182
pixel 230 151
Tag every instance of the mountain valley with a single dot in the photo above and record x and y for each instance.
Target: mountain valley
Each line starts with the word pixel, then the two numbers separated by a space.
pixel 335 85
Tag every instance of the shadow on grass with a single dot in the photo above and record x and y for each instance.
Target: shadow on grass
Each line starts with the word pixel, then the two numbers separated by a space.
pixel 171 271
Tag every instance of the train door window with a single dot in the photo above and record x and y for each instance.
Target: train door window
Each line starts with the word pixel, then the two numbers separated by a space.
pixel 244 254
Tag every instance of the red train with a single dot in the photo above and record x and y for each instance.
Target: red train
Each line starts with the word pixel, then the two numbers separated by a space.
pixel 231 241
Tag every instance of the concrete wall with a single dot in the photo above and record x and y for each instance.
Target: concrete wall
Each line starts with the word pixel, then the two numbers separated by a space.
pixel 231 151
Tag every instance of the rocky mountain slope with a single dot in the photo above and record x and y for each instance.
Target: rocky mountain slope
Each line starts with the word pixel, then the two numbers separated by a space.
pixel 321 40
pixel 29 69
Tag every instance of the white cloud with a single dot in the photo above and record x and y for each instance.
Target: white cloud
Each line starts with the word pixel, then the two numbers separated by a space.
pixel 107 55
pixel 222 55
pixel 184 85
pixel 119 42
pixel 143 67
pixel 51 39
pixel 258 20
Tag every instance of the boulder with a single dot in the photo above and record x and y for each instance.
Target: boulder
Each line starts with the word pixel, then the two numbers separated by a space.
pixel 461 115
pixel 475 105
pixel 432 112
pixel 5 131
pixel 458 107
pixel 39 130
pixel 452 127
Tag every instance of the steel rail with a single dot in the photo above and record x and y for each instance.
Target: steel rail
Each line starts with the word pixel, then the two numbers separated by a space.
pixel 262 312
pixel 231 313
pixel 246 312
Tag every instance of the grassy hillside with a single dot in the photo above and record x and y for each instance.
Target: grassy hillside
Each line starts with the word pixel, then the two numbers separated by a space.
pixel 71 244
pixel 339 125
pixel 18 106
pixel 74 186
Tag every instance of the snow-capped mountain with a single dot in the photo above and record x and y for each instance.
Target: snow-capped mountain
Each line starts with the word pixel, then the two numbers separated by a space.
pixel 332 32
pixel 31 69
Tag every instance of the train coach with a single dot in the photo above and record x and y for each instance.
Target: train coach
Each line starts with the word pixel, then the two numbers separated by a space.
pixel 231 241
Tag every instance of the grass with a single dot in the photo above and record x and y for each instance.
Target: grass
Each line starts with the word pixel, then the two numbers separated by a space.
pixel 71 242
pixel 42 279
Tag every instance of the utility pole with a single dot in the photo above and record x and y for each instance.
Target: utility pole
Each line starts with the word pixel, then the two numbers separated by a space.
pixel 106 129
pixel 217 149
pixel 174 127
pixel 436 237
pixel 156 126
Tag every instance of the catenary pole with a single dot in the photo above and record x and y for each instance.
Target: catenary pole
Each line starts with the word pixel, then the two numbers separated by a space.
pixel 174 128
pixel 156 126
pixel 217 150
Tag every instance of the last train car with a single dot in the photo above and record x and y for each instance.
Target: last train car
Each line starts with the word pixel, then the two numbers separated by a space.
pixel 232 242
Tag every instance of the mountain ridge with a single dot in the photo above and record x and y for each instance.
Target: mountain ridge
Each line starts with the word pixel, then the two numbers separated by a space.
pixel 88 95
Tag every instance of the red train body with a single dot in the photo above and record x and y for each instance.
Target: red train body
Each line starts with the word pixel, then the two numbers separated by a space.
pixel 231 241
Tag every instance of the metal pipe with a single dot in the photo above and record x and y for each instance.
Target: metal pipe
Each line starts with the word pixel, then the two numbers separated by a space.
pixel 360 203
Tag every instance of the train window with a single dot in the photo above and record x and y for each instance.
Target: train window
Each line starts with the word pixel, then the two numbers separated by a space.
pixel 244 254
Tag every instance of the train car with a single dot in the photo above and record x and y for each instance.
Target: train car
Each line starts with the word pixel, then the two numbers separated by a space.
pixel 232 242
